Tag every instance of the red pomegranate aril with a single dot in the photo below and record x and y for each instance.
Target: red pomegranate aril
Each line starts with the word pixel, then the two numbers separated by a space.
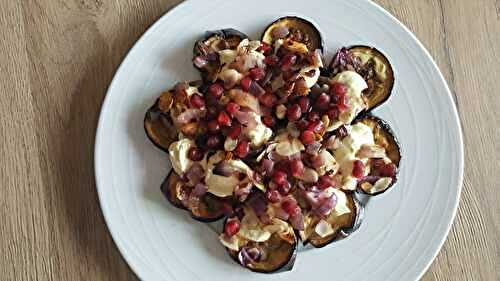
pixel 288 61
pixel 302 125
pixel 318 127
pixel 213 141
pixel 232 108
pixel 296 167
pixel 245 83
pixel 333 113
pixel 232 227
pixel 242 149
pixel 377 164
pixel 388 170
pixel 273 196
pixel 358 169
pixel 268 99
pixel 342 102
pixel 304 104
pixel 290 207
pixel 213 126
pixel 268 121
pixel 234 131
pixel 257 73
pixel 280 178
pixel 265 48
pixel 272 60
pixel 323 101
pixel 216 90
pixel 223 119
pixel 197 101
pixel 326 182
pixel 195 154
pixel 284 189
pixel 307 137
pixel 293 113
pixel 313 116
pixel 338 89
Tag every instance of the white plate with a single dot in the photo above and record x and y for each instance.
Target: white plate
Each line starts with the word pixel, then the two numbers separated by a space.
pixel 404 228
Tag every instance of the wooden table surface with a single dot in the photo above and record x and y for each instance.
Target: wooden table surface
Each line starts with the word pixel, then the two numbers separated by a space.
pixel 56 61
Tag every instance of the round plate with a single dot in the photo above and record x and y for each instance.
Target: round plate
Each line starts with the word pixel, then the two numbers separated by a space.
pixel 404 228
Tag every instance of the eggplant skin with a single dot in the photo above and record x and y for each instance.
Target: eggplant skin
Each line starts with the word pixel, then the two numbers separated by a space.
pixel 316 39
pixel 393 149
pixel 168 189
pixel 156 130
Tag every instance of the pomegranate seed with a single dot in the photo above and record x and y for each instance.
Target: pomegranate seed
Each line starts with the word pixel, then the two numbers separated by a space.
pixel 284 189
pixel 224 119
pixel 338 89
pixel 342 102
pixel 318 127
pixel 323 101
pixel 280 178
pixel 232 108
pixel 333 113
pixel 265 48
pixel 304 104
pixel 296 167
pixel 195 154
pixel 245 83
pixel 302 125
pixel 213 141
pixel 268 99
pixel 358 169
pixel 268 121
pixel 307 137
pixel 326 182
pixel 257 73
pixel 213 126
pixel 271 60
pixel 288 61
pixel 273 196
pixel 242 149
pixel 313 116
pixel 216 90
pixel 388 170
pixel 294 112
pixel 197 101
pixel 290 207
pixel 232 227
pixel 234 131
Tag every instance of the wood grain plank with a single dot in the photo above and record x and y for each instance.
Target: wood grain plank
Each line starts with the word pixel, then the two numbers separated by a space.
pixel 56 61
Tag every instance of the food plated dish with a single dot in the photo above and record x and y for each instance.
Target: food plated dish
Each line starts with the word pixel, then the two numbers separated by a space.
pixel 276 142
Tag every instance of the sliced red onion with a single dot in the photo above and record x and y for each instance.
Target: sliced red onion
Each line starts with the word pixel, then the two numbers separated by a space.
pixel 223 169
pixel 296 156
pixel 245 118
pixel 267 78
pixel 249 255
pixel 256 90
pixel 281 214
pixel 265 218
pixel 199 190
pixel 313 149
pixel 258 204
pixel 180 88
pixel 200 62
pixel 297 221
pixel 267 166
pixel 188 115
pixel 280 32
pixel 326 206
pixel 245 99
pixel 242 191
pixel 369 179
pixel 195 173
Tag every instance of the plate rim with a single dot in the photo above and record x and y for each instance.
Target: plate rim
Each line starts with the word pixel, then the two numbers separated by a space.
pixel 100 135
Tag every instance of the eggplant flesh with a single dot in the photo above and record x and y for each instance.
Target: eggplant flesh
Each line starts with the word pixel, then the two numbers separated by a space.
pixel 343 225
pixel 158 124
pixel 206 50
pixel 206 208
pixel 384 137
pixel 277 255
pixel 296 29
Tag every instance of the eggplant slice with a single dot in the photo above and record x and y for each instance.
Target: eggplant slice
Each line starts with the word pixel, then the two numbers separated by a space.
pixel 158 124
pixel 296 29
pixel 370 63
pixel 384 137
pixel 208 208
pixel 342 225
pixel 206 57
pixel 276 255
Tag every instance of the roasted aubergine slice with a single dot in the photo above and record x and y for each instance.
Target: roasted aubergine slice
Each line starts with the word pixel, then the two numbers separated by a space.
pixel 158 123
pixel 206 56
pixel 373 66
pixel 261 248
pixel 205 207
pixel 343 220
pixel 296 29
